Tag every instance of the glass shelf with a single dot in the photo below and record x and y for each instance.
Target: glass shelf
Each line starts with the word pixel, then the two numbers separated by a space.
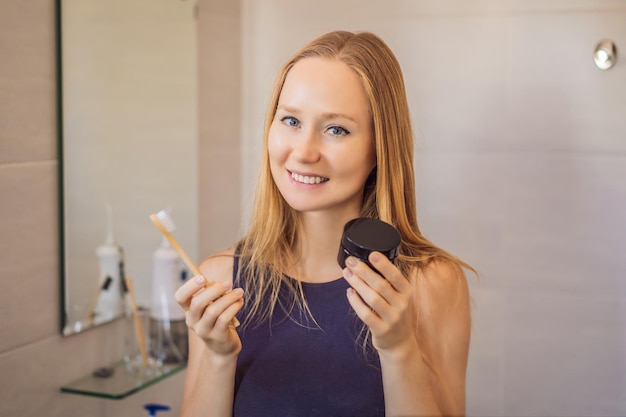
pixel 122 382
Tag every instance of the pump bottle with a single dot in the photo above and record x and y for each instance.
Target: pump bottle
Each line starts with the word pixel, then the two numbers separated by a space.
pixel 168 330
pixel 110 303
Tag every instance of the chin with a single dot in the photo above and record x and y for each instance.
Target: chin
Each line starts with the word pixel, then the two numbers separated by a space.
pixel 302 207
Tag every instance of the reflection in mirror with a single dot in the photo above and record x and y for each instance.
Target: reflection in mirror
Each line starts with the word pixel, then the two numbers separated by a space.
pixel 128 88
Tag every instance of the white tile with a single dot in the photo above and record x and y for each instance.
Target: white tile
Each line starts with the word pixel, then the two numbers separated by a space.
pixel 565 355
pixel 529 220
pixel 484 390
pixel 461 207
pixel 455 69
pixel 566 223
pixel 559 100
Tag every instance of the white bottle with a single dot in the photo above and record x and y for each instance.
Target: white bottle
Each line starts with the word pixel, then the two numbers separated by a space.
pixel 166 274
pixel 110 302
pixel 168 331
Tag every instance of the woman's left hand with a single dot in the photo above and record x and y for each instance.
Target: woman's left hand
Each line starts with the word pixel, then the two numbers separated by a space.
pixel 381 300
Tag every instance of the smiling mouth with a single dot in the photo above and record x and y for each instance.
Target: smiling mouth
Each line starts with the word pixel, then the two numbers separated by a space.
pixel 304 179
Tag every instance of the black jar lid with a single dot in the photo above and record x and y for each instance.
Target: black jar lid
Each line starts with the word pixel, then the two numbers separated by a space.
pixel 361 236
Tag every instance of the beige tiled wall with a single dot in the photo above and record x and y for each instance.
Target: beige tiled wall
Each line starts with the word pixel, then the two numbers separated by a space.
pixel 34 359
pixel 28 248
pixel 219 120
pixel 27 82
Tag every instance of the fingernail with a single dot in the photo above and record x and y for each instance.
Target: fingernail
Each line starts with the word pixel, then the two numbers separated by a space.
pixel 347 272
pixel 351 261
pixel 199 280
pixel 350 292
pixel 227 284
pixel 375 257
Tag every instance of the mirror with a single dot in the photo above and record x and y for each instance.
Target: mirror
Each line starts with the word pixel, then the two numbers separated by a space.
pixel 128 140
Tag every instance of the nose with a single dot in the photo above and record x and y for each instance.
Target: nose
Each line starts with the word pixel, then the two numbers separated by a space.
pixel 307 148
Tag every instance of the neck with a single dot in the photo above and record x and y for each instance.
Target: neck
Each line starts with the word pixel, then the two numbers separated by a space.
pixel 320 235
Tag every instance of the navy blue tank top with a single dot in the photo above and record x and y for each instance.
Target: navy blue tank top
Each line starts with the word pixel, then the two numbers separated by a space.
pixel 293 367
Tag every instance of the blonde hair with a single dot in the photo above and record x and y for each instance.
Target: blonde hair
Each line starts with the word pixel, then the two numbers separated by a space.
pixel 389 194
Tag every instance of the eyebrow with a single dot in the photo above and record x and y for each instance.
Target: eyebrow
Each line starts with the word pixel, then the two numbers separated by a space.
pixel 328 115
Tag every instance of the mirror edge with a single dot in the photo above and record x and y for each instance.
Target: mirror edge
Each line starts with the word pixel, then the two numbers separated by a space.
pixel 60 172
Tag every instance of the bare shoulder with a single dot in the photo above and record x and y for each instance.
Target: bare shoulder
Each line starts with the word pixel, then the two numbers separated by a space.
pixel 219 266
pixel 443 283
pixel 443 309
pixel 444 327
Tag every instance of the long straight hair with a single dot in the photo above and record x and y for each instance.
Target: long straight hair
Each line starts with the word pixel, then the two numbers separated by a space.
pixel 389 192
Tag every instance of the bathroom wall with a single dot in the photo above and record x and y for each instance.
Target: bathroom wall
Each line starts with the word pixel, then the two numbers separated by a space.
pixel 34 359
pixel 521 161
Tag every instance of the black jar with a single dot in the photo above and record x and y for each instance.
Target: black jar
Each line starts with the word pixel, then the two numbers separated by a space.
pixel 362 236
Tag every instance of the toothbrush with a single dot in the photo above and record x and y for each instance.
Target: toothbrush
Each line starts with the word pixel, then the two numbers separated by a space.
pixel 91 311
pixel 165 224
pixel 139 332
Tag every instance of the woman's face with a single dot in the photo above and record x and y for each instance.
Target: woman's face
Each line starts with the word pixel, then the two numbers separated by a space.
pixel 321 147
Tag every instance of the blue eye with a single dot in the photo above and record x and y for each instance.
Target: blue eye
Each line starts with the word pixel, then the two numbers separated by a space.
pixel 337 131
pixel 290 121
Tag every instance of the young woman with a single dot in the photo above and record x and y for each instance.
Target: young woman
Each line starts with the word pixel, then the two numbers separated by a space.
pixel 317 340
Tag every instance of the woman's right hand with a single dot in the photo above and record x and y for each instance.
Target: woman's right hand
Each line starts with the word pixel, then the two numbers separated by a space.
pixel 209 310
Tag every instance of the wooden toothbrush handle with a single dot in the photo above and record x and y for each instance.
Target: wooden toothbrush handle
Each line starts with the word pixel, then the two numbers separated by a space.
pixel 190 264
pixel 139 332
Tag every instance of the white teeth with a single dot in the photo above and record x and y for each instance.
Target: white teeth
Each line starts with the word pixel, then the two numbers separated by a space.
pixel 307 180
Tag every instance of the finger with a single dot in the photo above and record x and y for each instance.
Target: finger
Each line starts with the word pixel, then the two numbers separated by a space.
pixel 219 313
pixel 365 313
pixel 371 299
pixel 204 297
pixel 186 291
pixel 369 284
pixel 225 320
pixel 389 271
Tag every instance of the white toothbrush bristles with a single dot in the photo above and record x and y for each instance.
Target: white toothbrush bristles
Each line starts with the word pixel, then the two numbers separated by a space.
pixel 166 221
